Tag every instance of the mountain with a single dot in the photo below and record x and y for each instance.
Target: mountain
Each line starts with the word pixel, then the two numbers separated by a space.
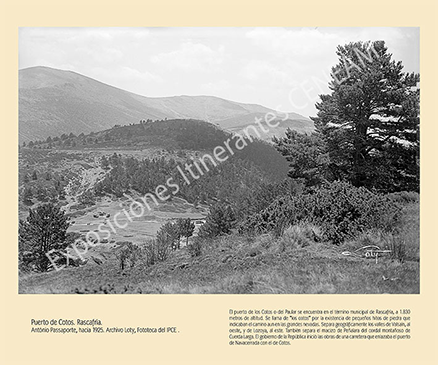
pixel 294 121
pixel 52 102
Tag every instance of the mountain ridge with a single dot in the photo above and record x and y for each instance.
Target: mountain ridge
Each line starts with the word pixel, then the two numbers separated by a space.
pixel 53 101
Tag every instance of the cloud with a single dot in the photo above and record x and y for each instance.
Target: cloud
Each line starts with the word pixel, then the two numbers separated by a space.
pixel 303 43
pixel 309 46
pixel 81 34
pixel 215 87
pixel 256 70
pixel 191 57
pixel 134 74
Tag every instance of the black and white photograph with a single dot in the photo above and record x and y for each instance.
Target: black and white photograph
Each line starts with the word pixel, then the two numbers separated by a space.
pixel 219 160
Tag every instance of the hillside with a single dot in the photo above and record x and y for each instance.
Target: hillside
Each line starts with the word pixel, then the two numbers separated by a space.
pixel 52 102
pixel 175 138
pixel 82 172
pixel 292 264
pixel 295 122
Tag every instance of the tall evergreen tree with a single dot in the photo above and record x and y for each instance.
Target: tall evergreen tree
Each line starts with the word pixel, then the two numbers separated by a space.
pixel 168 235
pixel 220 220
pixel 306 154
pixel 185 228
pixel 45 229
pixel 370 120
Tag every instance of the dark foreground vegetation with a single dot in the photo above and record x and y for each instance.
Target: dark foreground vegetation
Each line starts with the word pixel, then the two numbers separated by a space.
pixel 345 220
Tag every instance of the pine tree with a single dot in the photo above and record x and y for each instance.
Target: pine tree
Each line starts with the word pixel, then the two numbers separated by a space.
pixel 220 220
pixel 44 230
pixel 306 154
pixel 185 228
pixel 168 236
pixel 370 120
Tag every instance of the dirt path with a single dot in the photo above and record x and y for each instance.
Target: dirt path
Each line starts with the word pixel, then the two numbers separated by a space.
pixel 86 180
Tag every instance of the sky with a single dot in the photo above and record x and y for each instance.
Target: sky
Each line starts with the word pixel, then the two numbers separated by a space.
pixel 280 68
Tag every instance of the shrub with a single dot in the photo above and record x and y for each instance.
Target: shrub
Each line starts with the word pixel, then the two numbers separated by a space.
pixel 220 220
pixel 303 234
pixel 168 237
pixel 150 253
pixel 27 196
pixel 195 248
pixel 397 246
pixel 343 210
pixel 404 197
pixel 340 209
pixel 156 250
pixel 185 228
pixel 162 248
pixel 274 218
pixel 128 255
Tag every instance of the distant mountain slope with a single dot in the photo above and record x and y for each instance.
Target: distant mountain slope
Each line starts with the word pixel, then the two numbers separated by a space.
pixel 52 102
pixel 176 136
pixel 241 122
